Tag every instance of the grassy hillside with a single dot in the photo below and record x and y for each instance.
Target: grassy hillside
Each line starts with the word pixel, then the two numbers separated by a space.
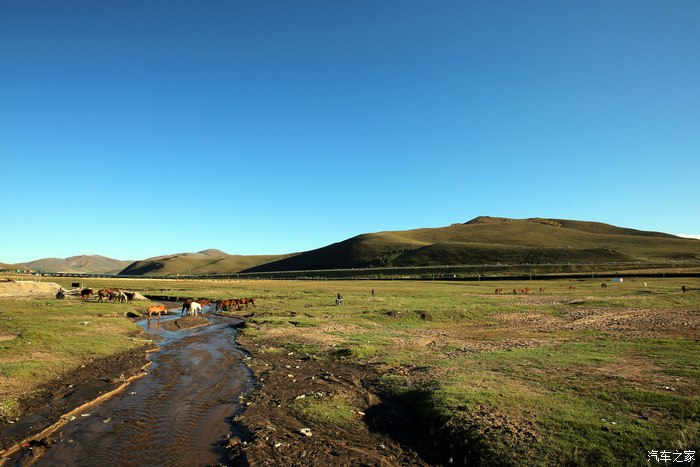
pixel 491 240
pixel 197 264
pixel 84 264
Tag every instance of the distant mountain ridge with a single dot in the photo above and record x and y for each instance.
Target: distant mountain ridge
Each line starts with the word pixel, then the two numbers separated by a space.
pixel 210 261
pixel 83 264
pixel 482 240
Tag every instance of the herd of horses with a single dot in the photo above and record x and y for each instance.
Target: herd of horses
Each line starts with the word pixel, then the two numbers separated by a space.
pixel 523 290
pixel 526 290
pixel 108 295
pixel 189 306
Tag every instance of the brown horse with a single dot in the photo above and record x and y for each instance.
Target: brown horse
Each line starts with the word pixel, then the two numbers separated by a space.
pixel 204 302
pixel 227 304
pixel 157 310
pixel 499 291
pixel 102 294
pixel 246 302
pixel 603 285
pixel 86 293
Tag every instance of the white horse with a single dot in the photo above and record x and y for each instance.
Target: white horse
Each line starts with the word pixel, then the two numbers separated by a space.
pixel 195 308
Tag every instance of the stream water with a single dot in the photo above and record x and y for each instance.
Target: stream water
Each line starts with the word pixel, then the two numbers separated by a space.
pixel 177 414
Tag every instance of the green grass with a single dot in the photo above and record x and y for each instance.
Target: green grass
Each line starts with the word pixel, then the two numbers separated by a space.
pixel 49 337
pixel 336 410
pixel 477 366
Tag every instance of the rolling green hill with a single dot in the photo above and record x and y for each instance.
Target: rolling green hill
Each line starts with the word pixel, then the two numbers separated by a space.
pixel 483 240
pixel 494 240
pixel 83 264
pixel 203 262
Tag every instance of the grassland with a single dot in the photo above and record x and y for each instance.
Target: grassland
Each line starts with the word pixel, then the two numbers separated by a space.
pixel 41 339
pixel 583 375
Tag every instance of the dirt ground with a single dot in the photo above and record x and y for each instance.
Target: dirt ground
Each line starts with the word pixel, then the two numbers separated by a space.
pixel 270 435
pixel 57 398
pixel 19 289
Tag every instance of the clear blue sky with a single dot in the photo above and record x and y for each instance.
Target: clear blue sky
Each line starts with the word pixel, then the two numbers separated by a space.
pixel 133 129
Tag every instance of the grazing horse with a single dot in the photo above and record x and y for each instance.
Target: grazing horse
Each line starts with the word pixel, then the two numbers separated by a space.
pixel 129 296
pixel 157 310
pixel 195 308
pixel 186 306
pixel 228 304
pixel 541 289
pixel 246 302
pixel 603 285
pixel 572 287
pixel 118 296
pixel 86 293
pixel 499 291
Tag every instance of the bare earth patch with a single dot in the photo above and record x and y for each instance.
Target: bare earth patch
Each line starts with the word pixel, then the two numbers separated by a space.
pixel 28 289
pixel 273 435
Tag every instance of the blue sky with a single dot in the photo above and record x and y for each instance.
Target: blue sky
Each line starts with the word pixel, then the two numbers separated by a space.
pixel 133 129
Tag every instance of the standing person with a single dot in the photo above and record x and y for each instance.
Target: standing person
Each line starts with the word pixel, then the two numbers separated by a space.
pixel 372 292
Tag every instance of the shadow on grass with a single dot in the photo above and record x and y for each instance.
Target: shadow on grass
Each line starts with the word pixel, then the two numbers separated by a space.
pixel 411 419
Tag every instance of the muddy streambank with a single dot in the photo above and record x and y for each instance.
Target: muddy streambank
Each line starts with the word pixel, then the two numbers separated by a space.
pixel 382 432
pixel 179 413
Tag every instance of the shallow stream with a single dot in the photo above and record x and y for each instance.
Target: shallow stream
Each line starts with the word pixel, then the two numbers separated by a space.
pixel 177 414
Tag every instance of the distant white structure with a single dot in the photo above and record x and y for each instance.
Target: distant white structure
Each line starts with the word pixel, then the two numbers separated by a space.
pixel 617 279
